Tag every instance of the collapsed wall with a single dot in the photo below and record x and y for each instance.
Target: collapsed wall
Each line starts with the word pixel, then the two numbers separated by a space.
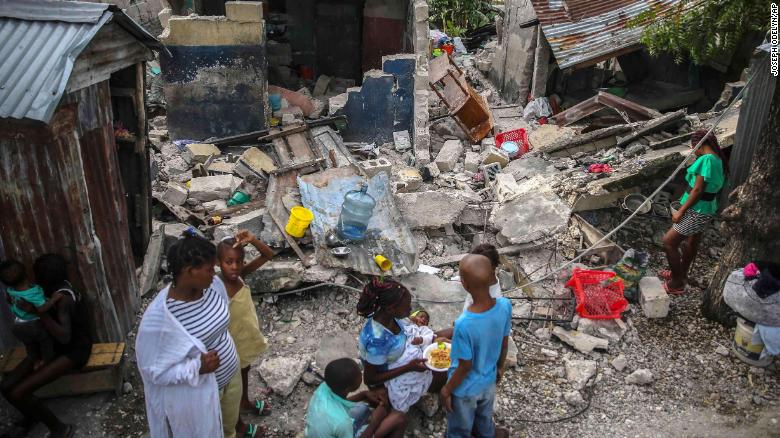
pixel 215 77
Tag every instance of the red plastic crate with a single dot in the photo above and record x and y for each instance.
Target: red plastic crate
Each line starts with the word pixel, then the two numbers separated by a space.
pixel 599 295
pixel 518 136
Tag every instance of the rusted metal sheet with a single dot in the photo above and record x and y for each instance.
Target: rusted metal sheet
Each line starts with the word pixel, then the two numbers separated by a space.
pixel 632 110
pixel 60 193
pixel 583 31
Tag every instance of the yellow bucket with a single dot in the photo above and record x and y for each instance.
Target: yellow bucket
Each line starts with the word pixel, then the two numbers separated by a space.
pixel 299 221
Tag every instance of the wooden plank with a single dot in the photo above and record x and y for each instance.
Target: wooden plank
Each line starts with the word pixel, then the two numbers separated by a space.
pixel 282 133
pixel 102 356
pixel 104 380
pixel 277 185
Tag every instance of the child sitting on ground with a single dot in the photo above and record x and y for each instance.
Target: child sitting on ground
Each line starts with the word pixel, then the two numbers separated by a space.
pixel 27 326
pixel 333 413
pixel 244 325
pixel 406 389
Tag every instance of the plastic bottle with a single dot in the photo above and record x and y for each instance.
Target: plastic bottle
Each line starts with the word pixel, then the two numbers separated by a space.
pixel 238 197
pixel 356 211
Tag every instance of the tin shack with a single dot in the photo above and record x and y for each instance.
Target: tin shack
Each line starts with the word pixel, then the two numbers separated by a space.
pixel 74 161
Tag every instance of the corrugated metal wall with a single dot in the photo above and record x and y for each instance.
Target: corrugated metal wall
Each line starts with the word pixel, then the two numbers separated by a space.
pixel 60 191
pixel 752 116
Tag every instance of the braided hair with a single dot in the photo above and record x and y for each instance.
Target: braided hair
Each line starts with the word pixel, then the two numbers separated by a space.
pixel 228 243
pixel 379 294
pixel 189 251
pixel 711 141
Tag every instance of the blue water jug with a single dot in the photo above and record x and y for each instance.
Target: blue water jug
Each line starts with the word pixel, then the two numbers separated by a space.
pixel 356 211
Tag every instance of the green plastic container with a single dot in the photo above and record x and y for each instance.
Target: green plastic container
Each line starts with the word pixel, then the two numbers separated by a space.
pixel 238 197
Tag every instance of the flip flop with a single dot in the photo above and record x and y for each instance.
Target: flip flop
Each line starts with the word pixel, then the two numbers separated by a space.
pixel 665 275
pixel 670 291
pixel 252 431
pixel 261 408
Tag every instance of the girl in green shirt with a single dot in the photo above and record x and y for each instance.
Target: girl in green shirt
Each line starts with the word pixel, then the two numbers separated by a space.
pixel 705 178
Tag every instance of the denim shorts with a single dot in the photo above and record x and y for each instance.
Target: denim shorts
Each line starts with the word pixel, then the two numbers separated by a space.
pixel 361 417
pixel 474 413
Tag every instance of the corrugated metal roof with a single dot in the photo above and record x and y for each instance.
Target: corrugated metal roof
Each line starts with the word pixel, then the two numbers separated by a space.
pixel 582 30
pixel 41 41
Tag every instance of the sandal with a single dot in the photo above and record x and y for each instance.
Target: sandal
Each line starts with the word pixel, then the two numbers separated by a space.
pixel 261 408
pixel 665 275
pixel 252 431
pixel 676 291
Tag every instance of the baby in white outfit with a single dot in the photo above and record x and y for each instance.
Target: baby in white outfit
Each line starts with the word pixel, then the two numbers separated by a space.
pixel 406 389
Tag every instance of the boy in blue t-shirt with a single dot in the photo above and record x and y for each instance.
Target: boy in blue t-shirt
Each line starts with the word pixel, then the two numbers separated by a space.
pixel 479 347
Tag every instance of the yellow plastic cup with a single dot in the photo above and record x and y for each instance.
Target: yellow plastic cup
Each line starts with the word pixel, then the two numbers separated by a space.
pixel 383 263
pixel 300 218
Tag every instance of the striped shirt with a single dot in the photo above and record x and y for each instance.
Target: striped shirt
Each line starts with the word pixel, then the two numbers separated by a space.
pixel 207 319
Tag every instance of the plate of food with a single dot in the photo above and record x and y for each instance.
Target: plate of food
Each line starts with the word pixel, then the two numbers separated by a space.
pixel 438 356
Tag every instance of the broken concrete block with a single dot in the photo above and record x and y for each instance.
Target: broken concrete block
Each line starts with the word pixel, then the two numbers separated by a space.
pixel 449 155
pixel 335 346
pixel 254 162
pixel 531 218
pixel 574 398
pixel 319 274
pixel 610 329
pixel 505 187
pixel 511 353
pixel 578 372
pixel 199 152
pixel 175 194
pixel 209 188
pixel 580 341
pixel 471 162
pixel 282 373
pixel 373 167
pixel 488 142
pixel 429 209
pixel 640 377
pixel 276 275
pixel 653 297
pixel 490 171
pixel 409 180
pixel 222 167
pixel 251 221
pixel 321 87
pixel 244 11
pixel 495 155
pixel 402 141
pixel 337 103
pixel 288 119
pixel 620 362
pixel 215 205
pixel 440 297
pixel 433 169
pixel 476 148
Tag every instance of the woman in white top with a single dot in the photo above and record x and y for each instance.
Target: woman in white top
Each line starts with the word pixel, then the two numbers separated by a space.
pixel 185 353
pixel 491 253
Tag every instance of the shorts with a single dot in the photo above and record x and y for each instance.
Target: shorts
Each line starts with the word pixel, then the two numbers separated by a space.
pixel 361 417
pixel 692 223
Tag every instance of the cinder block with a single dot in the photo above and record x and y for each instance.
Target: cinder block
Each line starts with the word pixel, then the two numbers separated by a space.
pixel 495 155
pixel 373 167
pixel 471 162
pixel 402 141
pixel 200 152
pixel 653 297
pixel 175 194
pixel 490 171
pixel 245 12
pixel 449 155
pixel 409 180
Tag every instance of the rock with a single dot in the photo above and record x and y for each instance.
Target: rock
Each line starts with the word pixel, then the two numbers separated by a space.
pixel 547 353
pixel 723 351
pixel 319 274
pixel 574 398
pixel 175 194
pixel 506 280
pixel 633 150
pixel 433 170
pixel 543 334
pixel 311 379
pixel 505 187
pixel 210 188
pixel 620 362
pixel 428 404
pixel 254 162
pixel 653 297
pixel 276 275
pixel 282 373
pixel 609 329
pixel 215 205
pixel 449 154
pixel 547 135
pixel 578 372
pixel 580 341
pixel 495 155
pixel 127 387
pixel 531 218
pixel 251 221
pixel 640 377
pixel 409 180
pixel 402 141
pixel 521 310
pixel 335 346
pixel 511 354
pixel 432 209
pixel 471 162
pixel 199 152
